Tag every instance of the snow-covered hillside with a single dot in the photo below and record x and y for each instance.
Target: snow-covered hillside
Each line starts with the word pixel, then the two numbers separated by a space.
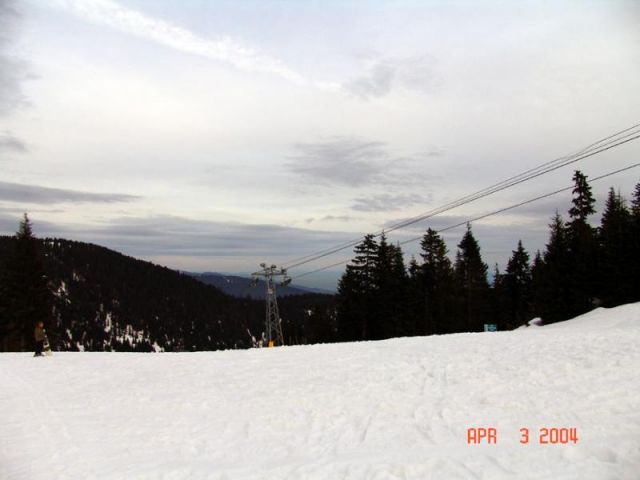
pixel 397 409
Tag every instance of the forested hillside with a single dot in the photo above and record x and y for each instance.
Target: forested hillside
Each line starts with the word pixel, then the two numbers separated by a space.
pixel 92 298
pixel 103 300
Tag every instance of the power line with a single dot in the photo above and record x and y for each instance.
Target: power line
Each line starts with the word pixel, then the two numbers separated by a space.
pixel 609 137
pixel 600 146
pixel 526 202
pixel 321 269
pixel 481 217
pixel 520 178
pixel 533 173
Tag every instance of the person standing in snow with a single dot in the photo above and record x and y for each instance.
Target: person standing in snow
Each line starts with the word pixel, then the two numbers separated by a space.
pixel 39 335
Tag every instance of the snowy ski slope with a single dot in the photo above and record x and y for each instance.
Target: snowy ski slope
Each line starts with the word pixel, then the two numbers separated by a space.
pixel 397 409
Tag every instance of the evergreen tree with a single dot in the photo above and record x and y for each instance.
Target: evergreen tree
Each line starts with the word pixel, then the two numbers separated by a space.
pixel 537 284
pixel 398 284
pixel 517 287
pixel 552 275
pixel 414 297
pixel 472 285
pixel 499 300
pixel 582 248
pixel 372 293
pixel 102 295
pixel 356 292
pixel 384 320
pixel 635 203
pixel 616 261
pixel 437 286
pixel 635 242
pixel 583 201
pixel 25 296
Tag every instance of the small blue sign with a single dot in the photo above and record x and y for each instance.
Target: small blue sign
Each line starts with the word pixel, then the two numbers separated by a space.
pixel 490 327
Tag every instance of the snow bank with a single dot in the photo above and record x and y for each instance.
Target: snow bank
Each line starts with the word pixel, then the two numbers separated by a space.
pixel 397 409
pixel 624 316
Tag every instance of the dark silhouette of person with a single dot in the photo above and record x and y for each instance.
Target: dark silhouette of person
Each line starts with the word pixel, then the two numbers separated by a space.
pixel 39 335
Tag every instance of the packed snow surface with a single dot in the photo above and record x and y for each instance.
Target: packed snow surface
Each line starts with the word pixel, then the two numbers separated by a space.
pixel 396 409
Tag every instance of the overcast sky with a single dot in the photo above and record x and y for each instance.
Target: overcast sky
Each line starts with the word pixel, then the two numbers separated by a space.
pixel 215 135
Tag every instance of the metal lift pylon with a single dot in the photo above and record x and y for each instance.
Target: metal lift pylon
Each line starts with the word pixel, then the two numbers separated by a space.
pixel 273 322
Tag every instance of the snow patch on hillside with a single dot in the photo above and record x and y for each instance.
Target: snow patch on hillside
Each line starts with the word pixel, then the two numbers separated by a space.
pixel 396 409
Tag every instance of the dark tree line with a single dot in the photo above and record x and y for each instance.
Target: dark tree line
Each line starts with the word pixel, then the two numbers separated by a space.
pixel 92 298
pixel 372 288
pixel 581 267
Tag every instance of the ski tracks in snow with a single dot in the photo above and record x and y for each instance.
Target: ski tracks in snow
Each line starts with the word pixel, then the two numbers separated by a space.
pixel 390 410
pixel 44 430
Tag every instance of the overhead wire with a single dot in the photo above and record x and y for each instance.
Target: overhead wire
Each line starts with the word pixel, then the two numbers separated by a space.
pixel 595 148
pixel 518 179
pixel 481 217
pixel 590 150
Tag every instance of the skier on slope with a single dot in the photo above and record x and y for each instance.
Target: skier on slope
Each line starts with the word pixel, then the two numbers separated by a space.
pixel 40 337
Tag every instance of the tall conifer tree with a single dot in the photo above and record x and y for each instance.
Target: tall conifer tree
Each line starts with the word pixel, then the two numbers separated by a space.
pixel 499 300
pixel 583 255
pixel 635 203
pixel 552 282
pixel 414 296
pixel 388 317
pixel 537 279
pixel 356 292
pixel 616 261
pixel 472 284
pixel 26 298
pixel 437 286
pixel 399 284
pixel 635 241
pixel 517 286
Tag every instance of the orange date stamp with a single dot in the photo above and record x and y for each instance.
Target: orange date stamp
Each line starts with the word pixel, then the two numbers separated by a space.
pixel 542 436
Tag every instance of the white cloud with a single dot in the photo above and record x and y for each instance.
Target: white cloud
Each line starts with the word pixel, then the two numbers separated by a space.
pixel 224 49
pixel 13 70
pixel 436 102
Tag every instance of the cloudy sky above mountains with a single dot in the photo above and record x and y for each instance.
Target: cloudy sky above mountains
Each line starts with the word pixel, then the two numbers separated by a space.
pixel 214 135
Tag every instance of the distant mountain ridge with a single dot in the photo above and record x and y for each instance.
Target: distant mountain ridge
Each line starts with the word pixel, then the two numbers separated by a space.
pixel 240 287
pixel 103 300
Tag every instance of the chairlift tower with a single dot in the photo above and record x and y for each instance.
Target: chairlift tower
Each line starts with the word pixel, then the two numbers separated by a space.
pixel 273 322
